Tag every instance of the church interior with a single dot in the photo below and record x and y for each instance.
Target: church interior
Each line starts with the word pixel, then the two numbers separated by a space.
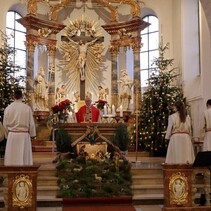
pixel 69 51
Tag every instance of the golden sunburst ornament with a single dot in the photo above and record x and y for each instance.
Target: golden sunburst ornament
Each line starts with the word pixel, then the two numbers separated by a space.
pixel 82 50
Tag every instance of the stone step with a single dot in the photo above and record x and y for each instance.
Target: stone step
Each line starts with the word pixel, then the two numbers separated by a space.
pixel 147 189
pixel 41 148
pixel 138 154
pixel 146 171
pixel 150 196
pixel 147 179
pixel 47 180
pixel 47 170
pixel 47 191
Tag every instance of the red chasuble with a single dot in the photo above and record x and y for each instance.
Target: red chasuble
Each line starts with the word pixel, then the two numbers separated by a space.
pixel 90 114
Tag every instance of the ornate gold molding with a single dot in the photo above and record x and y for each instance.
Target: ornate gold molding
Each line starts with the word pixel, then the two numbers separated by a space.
pixel 51 49
pixel 131 42
pixel 44 32
pixel 22 191
pixel 114 50
pixel 178 187
pixel 39 27
pixel 132 26
pixel 114 12
pixel 136 46
pixel 32 6
pixel 126 34
pixel 135 8
pixel 30 45
pixel 53 14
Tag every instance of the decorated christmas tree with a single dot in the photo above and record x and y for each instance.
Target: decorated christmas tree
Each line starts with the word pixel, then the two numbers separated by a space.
pixel 156 105
pixel 9 73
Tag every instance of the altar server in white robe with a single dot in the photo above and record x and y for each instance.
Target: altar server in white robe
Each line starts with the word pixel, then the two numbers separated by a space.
pixel 207 127
pixel 20 127
pixel 180 149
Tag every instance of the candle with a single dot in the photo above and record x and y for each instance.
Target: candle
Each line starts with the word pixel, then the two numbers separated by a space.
pixel 121 111
pixel 113 110
pixel 105 110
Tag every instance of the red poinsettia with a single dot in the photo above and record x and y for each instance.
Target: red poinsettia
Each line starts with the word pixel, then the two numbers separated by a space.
pixel 100 103
pixel 62 107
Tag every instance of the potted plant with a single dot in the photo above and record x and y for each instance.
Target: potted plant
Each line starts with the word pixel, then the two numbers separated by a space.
pixel 100 104
pixel 63 145
pixel 122 138
pixel 62 110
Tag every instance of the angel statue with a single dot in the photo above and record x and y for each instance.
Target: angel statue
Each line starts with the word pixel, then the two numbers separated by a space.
pixel 103 93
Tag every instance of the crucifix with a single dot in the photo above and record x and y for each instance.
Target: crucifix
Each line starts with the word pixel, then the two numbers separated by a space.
pixel 83 42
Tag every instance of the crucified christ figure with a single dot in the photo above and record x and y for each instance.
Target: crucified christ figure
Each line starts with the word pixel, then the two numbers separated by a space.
pixel 82 52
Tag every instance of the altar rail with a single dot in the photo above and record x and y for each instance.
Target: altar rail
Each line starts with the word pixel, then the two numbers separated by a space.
pixel 183 188
pixel 19 187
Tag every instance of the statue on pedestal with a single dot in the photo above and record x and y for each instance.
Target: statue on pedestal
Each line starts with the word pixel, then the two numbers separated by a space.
pixel 41 91
pixel 125 85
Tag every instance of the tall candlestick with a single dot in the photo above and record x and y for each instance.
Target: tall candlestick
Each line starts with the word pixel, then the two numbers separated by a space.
pixel 121 111
pixel 105 110
pixel 113 110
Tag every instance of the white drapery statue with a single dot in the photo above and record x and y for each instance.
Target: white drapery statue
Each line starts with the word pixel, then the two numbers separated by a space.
pixel 41 91
pixel 125 87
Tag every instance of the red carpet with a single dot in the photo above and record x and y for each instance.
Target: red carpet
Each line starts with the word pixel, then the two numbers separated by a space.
pixel 98 204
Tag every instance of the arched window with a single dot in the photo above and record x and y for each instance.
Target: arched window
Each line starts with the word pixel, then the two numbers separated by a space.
pixel 17 34
pixel 149 50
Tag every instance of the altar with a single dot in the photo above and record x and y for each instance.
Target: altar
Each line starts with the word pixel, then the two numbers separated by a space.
pixel 92 137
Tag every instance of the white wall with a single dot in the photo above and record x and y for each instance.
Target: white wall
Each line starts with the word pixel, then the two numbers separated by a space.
pixel 205 51
pixel 190 49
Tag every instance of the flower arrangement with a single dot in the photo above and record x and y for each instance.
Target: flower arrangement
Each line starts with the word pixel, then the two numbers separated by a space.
pixel 62 109
pixel 100 103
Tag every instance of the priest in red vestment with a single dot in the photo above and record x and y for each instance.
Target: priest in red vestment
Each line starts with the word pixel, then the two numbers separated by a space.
pixel 88 112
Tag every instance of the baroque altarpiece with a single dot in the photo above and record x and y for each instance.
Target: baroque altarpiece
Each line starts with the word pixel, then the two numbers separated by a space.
pixel 83 50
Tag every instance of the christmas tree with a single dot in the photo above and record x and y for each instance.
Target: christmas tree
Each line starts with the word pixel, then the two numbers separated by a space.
pixel 156 104
pixel 9 73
